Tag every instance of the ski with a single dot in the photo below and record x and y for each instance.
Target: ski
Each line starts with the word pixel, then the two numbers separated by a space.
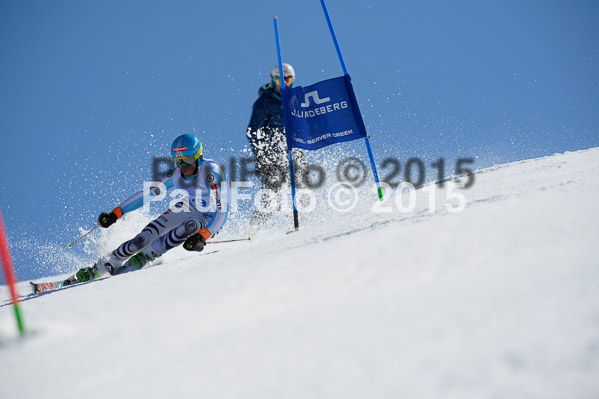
pixel 52 285
pixel 136 262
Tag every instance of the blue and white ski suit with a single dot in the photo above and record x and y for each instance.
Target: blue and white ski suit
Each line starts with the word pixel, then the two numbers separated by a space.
pixel 203 209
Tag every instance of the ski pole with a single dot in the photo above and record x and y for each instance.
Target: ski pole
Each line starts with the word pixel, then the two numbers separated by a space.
pixel 82 237
pixel 223 241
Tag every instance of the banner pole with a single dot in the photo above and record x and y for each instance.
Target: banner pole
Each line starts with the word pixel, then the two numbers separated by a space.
pixel 373 167
pixel 367 138
pixel 10 274
pixel 289 150
pixel 328 18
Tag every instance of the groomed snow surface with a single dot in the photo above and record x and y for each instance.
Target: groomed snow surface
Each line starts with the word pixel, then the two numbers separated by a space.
pixel 500 300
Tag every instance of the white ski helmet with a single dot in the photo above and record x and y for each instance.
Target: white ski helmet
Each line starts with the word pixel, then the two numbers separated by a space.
pixel 287 71
pixel 288 75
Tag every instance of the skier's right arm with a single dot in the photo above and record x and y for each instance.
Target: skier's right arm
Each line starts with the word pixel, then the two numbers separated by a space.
pixel 134 202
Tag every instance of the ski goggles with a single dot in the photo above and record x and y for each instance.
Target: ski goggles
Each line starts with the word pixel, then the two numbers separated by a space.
pixel 288 80
pixel 189 160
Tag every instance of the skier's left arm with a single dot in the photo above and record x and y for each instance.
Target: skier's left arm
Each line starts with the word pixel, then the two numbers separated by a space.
pixel 220 189
pixel 134 202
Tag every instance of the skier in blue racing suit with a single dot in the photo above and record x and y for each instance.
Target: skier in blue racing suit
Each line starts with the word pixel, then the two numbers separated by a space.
pixel 197 217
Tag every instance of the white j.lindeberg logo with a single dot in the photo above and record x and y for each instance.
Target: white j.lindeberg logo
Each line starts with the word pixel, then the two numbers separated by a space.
pixel 317 100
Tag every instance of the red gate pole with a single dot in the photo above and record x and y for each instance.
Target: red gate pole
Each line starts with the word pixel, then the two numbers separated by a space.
pixel 10 273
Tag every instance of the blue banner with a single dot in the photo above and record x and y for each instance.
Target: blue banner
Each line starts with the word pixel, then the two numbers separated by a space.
pixel 322 114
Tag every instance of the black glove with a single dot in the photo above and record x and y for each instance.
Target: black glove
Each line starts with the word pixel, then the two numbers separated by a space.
pixel 195 242
pixel 106 219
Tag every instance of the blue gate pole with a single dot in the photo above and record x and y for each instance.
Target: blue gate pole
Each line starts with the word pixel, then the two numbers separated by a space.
pixel 289 149
pixel 367 138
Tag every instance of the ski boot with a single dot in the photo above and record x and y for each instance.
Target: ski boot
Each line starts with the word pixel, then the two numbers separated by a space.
pixel 140 259
pixel 87 274
pixel 108 264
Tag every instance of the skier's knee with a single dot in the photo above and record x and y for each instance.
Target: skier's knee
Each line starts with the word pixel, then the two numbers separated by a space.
pixel 140 241
pixel 190 227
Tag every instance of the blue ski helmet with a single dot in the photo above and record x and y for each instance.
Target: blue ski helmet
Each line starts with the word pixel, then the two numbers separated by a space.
pixel 186 150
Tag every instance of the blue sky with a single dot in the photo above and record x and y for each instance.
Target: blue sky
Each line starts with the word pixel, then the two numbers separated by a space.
pixel 91 91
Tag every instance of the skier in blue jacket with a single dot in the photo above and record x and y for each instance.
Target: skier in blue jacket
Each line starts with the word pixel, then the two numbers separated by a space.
pixel 266 135
pixel 194 219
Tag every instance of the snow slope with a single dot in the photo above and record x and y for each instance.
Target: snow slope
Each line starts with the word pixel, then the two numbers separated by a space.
pixel 498 301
